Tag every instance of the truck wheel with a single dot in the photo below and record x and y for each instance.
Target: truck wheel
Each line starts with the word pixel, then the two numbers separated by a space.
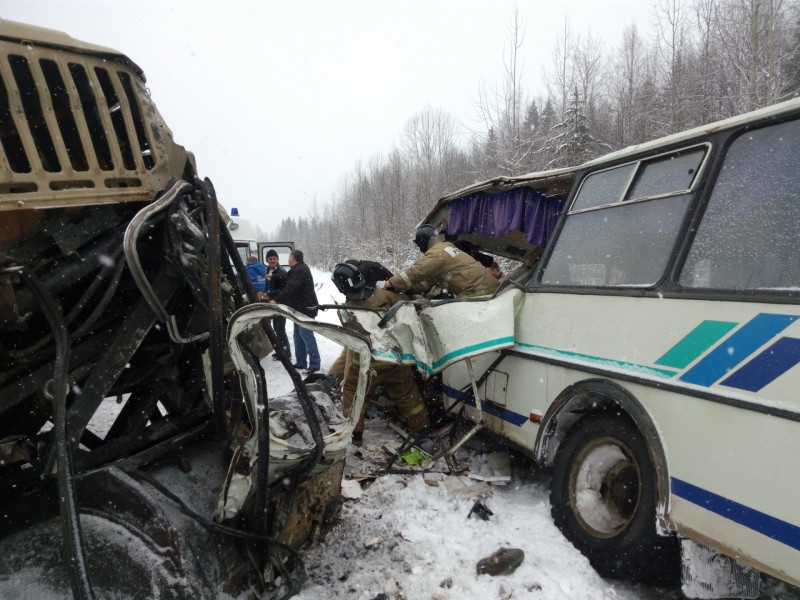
pixel 603 497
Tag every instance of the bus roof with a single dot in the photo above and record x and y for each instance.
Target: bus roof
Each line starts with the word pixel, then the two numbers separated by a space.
pixel 555 182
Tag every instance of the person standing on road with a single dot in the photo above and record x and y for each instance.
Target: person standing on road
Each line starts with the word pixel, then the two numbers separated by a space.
pixel 257 273
pixel 298 293
pixel 276 279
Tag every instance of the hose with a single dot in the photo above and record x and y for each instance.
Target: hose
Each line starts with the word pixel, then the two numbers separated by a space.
pixel 67 500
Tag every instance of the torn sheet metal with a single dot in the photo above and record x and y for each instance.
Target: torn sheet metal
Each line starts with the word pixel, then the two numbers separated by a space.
pixel 443 333
pixel 290 442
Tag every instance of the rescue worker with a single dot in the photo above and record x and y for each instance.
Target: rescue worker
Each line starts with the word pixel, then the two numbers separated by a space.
pixel 397 380
pixel 373 272
pixel 442 265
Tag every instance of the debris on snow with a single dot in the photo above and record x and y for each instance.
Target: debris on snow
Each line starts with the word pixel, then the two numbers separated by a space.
pixel 480 510
pixel 460 486
pixel 351 489
pixel 502 562
pixel 494 468
pixel 433 478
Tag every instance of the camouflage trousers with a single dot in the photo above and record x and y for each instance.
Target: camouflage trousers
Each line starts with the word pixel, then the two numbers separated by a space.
pixel 398 384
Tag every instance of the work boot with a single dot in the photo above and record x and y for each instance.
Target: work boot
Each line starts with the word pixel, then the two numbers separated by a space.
pixel 426 444
pixel 358 438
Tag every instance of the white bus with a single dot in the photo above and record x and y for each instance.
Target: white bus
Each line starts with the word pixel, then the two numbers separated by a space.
pixel 645 349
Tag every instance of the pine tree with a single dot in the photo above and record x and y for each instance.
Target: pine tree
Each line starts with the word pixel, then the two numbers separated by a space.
pixel 573 142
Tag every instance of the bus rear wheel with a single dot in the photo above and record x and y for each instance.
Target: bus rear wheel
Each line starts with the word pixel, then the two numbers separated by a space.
pixel 603 496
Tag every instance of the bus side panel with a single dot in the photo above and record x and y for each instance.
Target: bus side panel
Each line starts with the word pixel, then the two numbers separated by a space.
pixel 517 389
pixel 726 406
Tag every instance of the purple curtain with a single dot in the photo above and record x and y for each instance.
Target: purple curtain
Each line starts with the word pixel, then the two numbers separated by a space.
pixel 523 209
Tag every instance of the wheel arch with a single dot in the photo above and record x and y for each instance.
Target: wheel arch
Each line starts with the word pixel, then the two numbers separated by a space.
pixel 595 396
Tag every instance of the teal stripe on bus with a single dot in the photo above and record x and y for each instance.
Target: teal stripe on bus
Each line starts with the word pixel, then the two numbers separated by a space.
pixel 505 341
pixel 406 358
pixel 600 361
pixel 697 341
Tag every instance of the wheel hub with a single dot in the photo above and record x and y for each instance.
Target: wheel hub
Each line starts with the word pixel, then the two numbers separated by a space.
pixel 604 487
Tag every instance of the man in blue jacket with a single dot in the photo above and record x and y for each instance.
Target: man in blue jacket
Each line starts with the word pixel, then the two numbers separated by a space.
pixel 257 272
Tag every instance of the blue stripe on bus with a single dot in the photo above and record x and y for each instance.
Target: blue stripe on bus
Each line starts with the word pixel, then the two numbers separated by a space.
pixel 772 527
pixel 767 366
pixel 488 407
pixel 737 348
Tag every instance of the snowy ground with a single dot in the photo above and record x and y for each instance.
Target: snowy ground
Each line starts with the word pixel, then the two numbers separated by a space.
pixel 403 538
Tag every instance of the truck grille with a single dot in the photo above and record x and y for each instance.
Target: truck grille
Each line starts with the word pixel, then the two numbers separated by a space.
pixel 74 129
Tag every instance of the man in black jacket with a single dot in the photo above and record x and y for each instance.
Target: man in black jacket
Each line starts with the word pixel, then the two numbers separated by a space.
pixel 276 279
pixel 298 293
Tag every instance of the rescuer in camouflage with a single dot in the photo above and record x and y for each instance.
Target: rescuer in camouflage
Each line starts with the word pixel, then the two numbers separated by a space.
pixel 445 266
pixel 397 380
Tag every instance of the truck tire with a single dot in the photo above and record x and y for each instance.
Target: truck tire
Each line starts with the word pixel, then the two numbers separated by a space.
pixel 603 497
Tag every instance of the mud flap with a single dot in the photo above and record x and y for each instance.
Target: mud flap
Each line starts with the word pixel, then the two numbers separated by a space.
pixel 315 508
pixel 707 574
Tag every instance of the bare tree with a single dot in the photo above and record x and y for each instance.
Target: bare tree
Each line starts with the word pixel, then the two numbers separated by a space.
pixel 428 139
pixel 502 108
pixel 627 86
pixel 560 81
pixel 672 46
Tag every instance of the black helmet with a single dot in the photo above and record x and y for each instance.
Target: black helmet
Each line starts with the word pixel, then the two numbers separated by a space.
pixel 350 282
pixel 423 236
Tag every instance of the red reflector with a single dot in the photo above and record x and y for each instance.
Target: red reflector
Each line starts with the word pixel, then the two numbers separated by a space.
pixel 536 417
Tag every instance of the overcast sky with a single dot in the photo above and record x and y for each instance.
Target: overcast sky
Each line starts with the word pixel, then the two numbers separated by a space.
pixel 280 99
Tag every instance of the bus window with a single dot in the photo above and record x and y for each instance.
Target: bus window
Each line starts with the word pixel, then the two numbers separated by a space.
pixel 750 232
pixel 659 177
pixel 605 187
pixel 627 242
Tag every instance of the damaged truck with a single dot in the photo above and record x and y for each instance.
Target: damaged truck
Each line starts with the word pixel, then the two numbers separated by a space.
pixel 644 347
pixel 136 456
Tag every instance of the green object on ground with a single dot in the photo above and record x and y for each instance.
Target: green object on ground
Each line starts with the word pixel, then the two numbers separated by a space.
pixel 414 457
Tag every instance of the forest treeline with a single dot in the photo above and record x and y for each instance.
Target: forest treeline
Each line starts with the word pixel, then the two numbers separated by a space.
pixel 697 62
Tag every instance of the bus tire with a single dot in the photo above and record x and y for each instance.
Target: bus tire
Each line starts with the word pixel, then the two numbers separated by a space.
pixel 603 496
